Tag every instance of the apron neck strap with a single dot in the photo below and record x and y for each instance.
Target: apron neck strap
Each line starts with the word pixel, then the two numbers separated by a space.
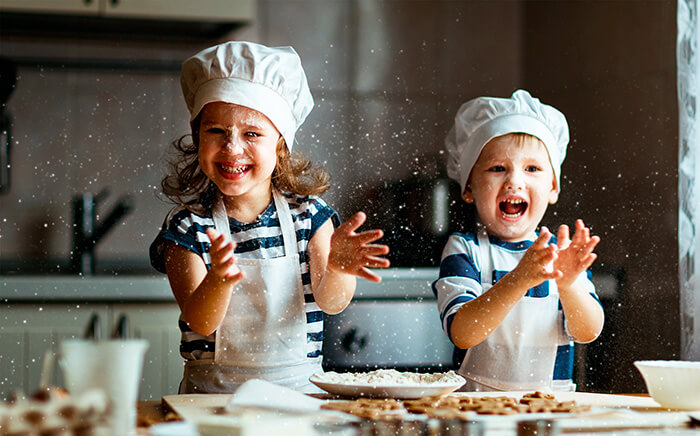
pixel 221 221
pixel 484 257
pixel 285 216
pixel 221 217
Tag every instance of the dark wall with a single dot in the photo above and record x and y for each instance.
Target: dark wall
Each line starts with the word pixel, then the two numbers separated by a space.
pixel 610 67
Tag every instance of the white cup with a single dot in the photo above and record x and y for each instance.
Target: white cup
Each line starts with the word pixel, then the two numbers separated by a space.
pixel 113 366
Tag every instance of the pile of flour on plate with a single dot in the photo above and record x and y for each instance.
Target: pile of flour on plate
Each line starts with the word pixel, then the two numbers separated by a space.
pixel 389 377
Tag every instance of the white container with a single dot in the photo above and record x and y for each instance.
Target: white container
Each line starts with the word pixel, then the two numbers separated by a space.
pixel 674 384
pixel 112 366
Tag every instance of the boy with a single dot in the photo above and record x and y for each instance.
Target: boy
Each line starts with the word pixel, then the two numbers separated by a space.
pixel 513 297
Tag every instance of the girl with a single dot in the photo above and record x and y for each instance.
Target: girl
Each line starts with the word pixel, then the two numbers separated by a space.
pixel 250 251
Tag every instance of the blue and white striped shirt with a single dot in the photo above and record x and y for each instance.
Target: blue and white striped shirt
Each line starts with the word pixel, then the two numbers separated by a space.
pixel 261 239
pixel 460 282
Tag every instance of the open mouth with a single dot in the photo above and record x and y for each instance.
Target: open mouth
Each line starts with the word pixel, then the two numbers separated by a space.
pixel 512 207
pixel 233 169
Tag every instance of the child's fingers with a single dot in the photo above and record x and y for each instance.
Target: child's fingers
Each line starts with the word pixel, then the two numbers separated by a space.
pixel 587 261
pixel 232 279
pixel 583 233
pixel 563 240
pixel 353 223
pixel 552 275
pixel 375 249
pixel 222 249
pixel 223 256
pixel 543 239
pixel 368 275
pixel 589 246
pixel 233 272
pixel 369 236
pixel 376 262
pixel 215 237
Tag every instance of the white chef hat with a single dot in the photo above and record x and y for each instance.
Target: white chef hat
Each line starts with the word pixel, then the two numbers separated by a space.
pixel 269 80
pixel 484 118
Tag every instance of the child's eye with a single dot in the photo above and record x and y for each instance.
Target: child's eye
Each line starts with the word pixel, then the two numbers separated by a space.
pixel 533 169
pixel 497 168
pixel 215 130
pixel 252 134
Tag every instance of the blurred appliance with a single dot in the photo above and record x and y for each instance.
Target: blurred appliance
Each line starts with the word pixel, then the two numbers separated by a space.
pixel 417 215
pixel 392 324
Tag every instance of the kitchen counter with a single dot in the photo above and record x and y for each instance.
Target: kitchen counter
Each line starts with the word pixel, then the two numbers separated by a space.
pixel 61 288
pixel 404 283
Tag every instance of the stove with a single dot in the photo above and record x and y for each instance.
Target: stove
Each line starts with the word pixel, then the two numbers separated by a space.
pixel 392 324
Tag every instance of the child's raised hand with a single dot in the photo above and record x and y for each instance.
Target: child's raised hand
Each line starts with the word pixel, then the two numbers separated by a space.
pixel 223 262
pixel 575 255
pixel 532 268
pixel 353 253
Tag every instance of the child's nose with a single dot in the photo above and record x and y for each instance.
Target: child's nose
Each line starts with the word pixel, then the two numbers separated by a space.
pixel 514 180
pixel 234 144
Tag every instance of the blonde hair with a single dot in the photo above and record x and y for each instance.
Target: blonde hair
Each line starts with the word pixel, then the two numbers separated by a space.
pixel 188 186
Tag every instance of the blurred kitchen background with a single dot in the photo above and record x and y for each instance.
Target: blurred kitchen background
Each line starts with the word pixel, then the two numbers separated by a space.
pixel 97 104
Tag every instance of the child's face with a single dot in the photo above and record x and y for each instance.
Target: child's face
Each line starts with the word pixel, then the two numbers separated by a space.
pixel 237 149
pixel 511 185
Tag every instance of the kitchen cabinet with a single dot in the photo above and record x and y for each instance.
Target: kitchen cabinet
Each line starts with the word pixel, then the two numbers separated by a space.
pixel 203 10
pixel 27 330
pixel 214 10
pixel 157 323
pixel 89 7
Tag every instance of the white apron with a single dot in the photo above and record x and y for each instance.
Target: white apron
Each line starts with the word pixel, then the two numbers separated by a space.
pixel 263 334
pixel 520 353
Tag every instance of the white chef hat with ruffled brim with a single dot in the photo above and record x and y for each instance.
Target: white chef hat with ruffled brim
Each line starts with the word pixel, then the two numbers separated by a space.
pixel 484 118
pixel 269 80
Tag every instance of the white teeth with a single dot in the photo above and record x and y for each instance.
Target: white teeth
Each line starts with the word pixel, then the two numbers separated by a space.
pixel 514 201
pixel 234 170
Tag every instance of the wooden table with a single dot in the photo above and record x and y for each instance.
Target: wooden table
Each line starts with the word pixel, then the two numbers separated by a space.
pixel 151 412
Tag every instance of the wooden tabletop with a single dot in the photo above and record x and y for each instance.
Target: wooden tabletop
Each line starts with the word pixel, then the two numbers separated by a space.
pixel 153 412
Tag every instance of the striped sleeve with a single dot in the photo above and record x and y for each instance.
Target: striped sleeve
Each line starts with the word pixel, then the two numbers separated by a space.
pixel 459 279
pixel 185 229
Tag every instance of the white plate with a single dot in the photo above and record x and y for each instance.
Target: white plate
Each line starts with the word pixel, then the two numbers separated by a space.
pixel 404 392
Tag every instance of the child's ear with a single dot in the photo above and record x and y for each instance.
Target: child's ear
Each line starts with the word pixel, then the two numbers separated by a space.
pixel 554 193
pixel 467 195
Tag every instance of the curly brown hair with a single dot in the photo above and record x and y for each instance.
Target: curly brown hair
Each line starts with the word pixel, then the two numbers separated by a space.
pixel 187 185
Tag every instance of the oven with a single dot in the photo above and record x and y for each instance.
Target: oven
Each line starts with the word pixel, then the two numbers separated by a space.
pixel 392 324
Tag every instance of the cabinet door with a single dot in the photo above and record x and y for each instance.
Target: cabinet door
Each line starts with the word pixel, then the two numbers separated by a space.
pixel 51 6
pixel 157 323
pixel 28 330
pixel 215 10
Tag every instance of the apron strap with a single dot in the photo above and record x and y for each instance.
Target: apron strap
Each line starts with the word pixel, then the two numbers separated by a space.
pixel 485 258
pixel 221 221
pixel 285 216
pixel 221 217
